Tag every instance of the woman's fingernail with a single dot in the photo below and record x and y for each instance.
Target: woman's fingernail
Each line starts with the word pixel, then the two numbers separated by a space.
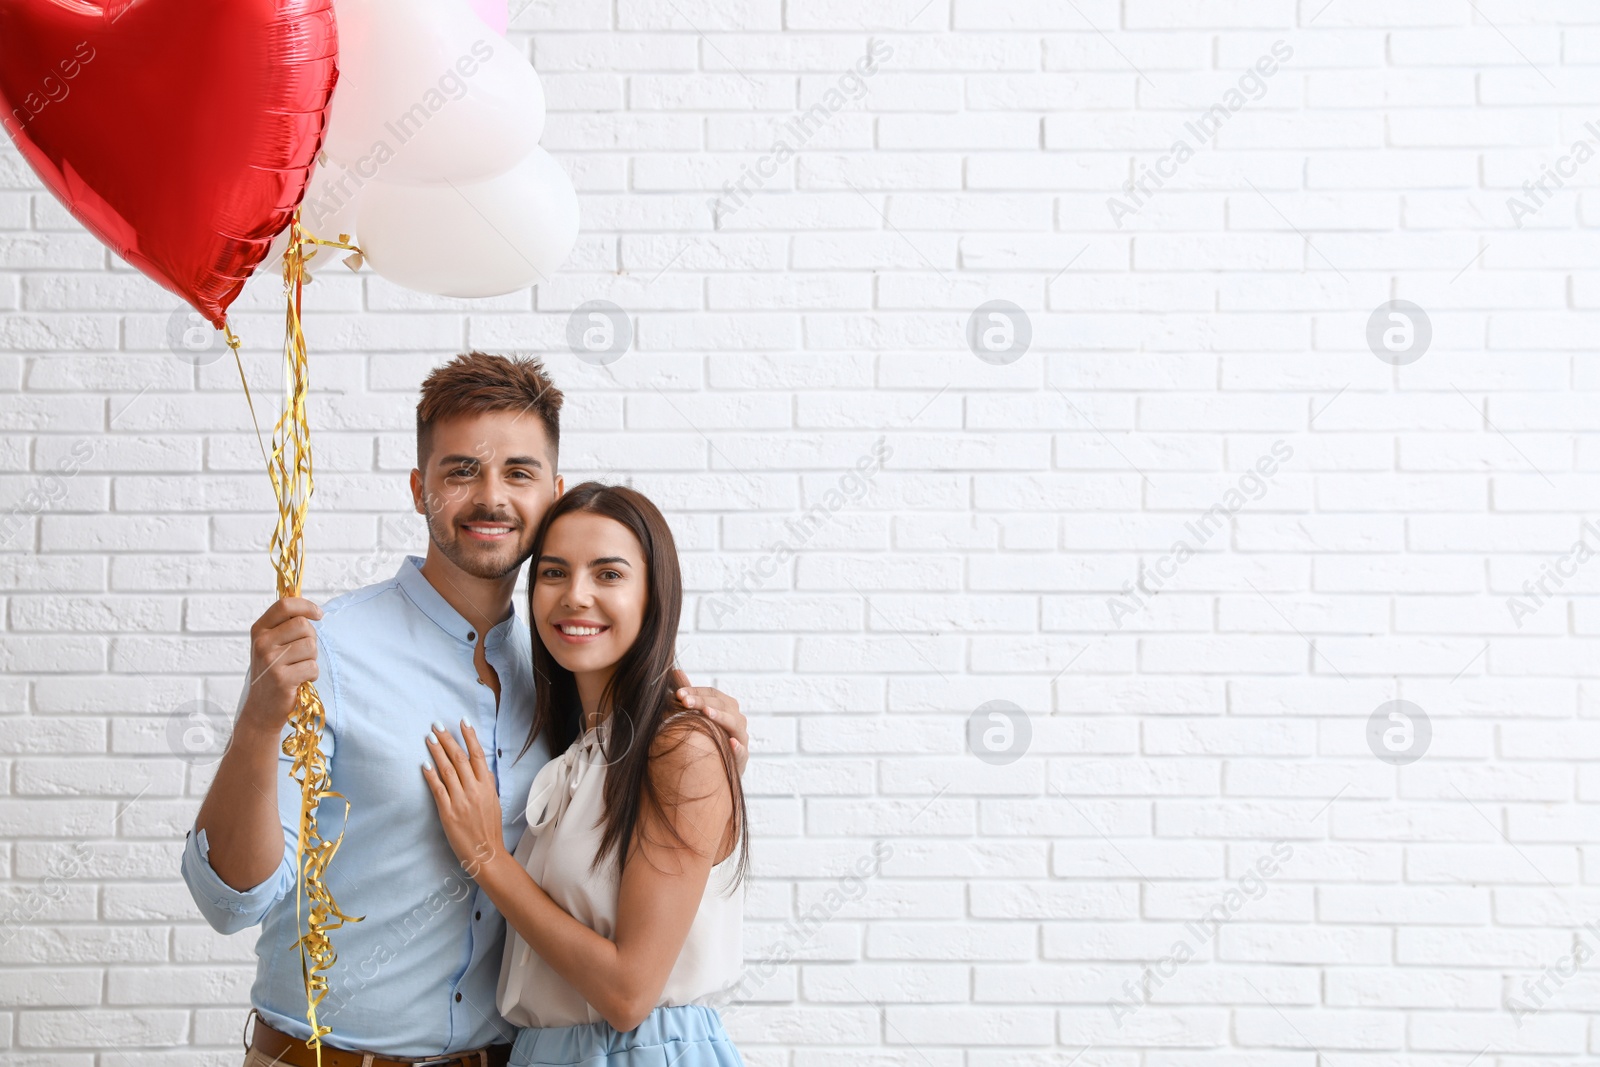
pixel 426 766
pixel 711 713
pixel 427 739
pixel 438 726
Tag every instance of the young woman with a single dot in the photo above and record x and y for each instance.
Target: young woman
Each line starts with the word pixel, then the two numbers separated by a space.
pixel 611 952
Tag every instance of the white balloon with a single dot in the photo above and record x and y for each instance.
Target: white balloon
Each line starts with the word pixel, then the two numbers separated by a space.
pixel 427 93
pixel 478 239
pixel 332 199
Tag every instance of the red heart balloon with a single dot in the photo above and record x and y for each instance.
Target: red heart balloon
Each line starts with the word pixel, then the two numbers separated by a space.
pixel 179 132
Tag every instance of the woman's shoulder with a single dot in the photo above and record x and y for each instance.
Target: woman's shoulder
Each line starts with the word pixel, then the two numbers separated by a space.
pixel 685 738
pixel 690 759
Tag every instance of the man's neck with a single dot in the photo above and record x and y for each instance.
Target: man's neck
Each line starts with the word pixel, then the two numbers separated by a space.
pixel 483 602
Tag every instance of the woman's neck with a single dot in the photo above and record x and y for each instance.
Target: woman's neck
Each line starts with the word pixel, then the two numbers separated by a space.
pixel 590 685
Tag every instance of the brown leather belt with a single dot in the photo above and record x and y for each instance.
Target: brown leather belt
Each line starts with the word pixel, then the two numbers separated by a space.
pixel 283 1049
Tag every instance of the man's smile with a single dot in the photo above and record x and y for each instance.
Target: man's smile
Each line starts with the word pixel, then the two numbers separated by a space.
pixel 489 532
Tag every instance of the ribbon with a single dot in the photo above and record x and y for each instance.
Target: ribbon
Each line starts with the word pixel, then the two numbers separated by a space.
pixel 289 466
pixel 557 781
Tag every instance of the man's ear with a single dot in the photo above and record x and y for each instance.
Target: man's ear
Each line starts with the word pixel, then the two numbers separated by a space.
pixel 416 491
pixel 561 486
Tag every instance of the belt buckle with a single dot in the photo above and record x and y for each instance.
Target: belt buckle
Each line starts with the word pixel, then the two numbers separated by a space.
pixel 438 1062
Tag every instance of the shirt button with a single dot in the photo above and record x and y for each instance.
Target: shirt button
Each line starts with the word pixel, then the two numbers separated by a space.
pixel 472 635
pixel 477 915
pixel 497 752
pixel 458 998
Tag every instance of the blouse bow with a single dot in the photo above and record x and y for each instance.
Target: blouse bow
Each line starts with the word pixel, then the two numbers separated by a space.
pixel 557 781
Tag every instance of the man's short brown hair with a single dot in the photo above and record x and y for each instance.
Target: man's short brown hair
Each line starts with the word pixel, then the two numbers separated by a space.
pixel 479 382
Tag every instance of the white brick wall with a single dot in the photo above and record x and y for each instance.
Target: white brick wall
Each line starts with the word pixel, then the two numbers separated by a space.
pixel 1419 915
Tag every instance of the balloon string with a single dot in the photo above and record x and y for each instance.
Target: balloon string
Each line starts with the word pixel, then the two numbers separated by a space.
pixel 290 469
pixel 233 343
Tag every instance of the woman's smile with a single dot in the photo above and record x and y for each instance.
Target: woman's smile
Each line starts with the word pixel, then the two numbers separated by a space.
pixel 580 631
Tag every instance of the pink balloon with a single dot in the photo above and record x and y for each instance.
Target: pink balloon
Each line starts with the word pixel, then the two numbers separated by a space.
pixel 494 13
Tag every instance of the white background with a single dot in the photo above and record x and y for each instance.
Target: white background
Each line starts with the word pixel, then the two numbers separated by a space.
pixel 1418 906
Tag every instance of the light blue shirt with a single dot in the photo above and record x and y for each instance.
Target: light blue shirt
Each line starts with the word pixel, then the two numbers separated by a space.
pixel 417 976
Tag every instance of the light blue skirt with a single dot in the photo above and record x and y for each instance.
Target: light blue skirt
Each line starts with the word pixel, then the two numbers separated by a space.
pixel 674 1035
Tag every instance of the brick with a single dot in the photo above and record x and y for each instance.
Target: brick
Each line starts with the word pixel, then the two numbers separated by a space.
pixel 824 306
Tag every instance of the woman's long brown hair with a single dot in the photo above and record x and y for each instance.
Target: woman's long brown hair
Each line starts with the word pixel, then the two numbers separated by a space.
pixel 639 692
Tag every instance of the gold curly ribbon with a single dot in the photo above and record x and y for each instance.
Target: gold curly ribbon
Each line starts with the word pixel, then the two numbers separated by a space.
pixel 290 469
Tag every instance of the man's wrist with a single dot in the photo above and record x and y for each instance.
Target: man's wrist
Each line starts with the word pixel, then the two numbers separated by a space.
pixel 253 730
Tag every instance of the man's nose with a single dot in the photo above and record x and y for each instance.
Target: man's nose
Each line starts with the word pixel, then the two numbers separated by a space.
pixel 493 493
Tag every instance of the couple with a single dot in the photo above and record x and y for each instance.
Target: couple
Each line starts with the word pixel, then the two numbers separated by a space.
pixel 611 843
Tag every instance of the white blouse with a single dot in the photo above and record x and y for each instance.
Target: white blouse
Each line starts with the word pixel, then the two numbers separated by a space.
pixel 563 837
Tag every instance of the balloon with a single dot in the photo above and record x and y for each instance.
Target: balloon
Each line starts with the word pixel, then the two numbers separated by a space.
pixel 494 13
pixel 332 198
pixel 482 239
pixel 329 209
pixel 179 132
pixel 273 263
pixel 427 94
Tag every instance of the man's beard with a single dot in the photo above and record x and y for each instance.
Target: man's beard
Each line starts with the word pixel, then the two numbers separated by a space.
pixel 485 561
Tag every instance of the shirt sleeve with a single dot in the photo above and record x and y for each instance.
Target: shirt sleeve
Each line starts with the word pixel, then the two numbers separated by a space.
pixel 230 910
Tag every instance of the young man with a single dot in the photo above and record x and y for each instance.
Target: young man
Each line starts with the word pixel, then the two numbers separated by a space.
pixel 415 978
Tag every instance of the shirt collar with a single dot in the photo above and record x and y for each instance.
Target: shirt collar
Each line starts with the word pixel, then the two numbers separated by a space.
pixel 421 592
